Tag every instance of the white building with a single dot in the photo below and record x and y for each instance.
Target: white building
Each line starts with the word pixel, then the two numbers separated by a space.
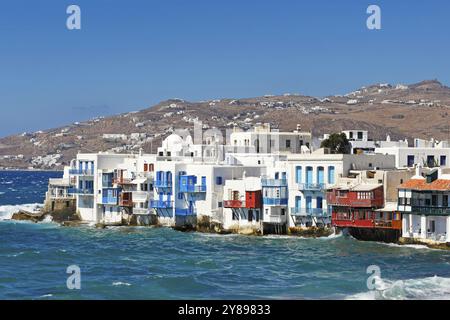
pixel 424 202
pixel 264 139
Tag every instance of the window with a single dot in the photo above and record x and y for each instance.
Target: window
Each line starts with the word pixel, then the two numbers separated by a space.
pixel 331 174
pixel 410 161
pixel 360 135
pixel 288 144
pixel 298 174
pixel 145 167
pixel 250 215
pixel 180 196
pixel 219 181
pixel 283 211
pixel 443 161
pixel 430 161
pixel 445 200
pixel 434 200
pixel 219 204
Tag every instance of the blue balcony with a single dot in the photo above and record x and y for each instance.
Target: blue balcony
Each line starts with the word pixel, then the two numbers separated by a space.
pixel 158 204
pixel 81 172
pixel 81 191
pixel 275 201
pixel 273 182
pixel 313 212
pixel 192 188
pixel 320 187
pixel 163 184
pixel 430 210
pixel 185 212
pixel 110 196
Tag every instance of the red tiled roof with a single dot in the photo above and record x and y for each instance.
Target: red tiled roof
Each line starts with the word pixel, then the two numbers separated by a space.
pixel 421 184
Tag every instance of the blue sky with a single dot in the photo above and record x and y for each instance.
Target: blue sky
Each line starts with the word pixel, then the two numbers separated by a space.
pixel 132 54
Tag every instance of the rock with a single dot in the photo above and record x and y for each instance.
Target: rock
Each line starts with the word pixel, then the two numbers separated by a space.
pixel 23 215
pixel 311 232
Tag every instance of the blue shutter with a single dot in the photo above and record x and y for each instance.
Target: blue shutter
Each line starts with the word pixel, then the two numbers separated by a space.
pixel 298 174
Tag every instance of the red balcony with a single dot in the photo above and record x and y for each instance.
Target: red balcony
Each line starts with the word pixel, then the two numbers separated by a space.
pixel 368 220
pixel 356 199
pixel 122 181
pixel 126 199
pixel 234 204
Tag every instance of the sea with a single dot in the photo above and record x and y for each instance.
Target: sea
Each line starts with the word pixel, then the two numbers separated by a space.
pixel 37 261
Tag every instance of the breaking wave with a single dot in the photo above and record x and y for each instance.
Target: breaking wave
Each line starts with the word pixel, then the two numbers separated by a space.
pixel 7 211
pixel 431 288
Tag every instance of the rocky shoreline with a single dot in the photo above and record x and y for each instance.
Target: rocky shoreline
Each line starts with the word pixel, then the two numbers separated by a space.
pixel 69 218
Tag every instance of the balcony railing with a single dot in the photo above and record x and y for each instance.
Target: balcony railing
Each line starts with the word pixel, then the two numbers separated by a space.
pixel 126 202
pixel 158 204
pixel 193 188
pixel 81 172
pixel 163 184
pixel 273 182
pixel 81 191
pixel 434 211
pixel 185 212
pixel 275 201
pixel 122 181
pixel 312 186
pixel 140 196
pixel 110 200
pixel 234 204
pixel 141 211
pixel 314 212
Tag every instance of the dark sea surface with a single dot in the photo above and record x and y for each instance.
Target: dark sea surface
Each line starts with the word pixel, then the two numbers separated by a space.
pixel 159 263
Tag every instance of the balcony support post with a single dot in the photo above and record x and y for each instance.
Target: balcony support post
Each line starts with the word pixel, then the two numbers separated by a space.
pixel 423 226
pixel 448 229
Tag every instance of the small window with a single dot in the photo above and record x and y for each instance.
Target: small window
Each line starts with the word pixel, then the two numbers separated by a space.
pixel 219 181
pixel 219 204
pixel 288 143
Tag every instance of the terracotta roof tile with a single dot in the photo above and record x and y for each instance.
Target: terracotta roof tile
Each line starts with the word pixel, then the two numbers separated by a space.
pixel 421 184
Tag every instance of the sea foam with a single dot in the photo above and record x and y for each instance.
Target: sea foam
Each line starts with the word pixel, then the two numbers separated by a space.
pixel 7 211
pixel 430 288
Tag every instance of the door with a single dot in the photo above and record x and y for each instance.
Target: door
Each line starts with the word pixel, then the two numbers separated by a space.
pixel 309 174
pixel 308 204
pixel 298 204
pixel 331 174
pixel 320 173
pixel 298 174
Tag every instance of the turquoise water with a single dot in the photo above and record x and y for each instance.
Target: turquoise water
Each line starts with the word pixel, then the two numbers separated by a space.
pixel 159 263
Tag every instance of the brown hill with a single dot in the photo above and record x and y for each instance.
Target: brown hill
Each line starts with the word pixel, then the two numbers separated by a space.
pixel 418 110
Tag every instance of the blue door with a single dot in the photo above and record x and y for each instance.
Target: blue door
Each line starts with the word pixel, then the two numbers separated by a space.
pixel 308 203
pixel 331 174
pixel 319 202
pixel 309 174
pixel 320 173
pixel 298 203
pixel 298 174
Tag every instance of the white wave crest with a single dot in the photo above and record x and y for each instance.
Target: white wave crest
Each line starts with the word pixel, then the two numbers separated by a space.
pixel 121 284
pixel 431 288
pixel 7 211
